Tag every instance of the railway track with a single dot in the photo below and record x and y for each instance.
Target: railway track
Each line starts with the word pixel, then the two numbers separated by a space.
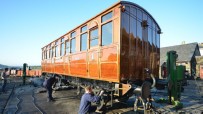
pixel 18 107
pixel 34 108
pixel 35 104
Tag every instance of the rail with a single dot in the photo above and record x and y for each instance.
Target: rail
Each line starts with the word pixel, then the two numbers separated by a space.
pixel 18 106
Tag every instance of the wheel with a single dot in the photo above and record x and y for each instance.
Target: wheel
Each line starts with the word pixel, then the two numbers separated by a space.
pixel 139 104
pixel 136 105
pixel 101 104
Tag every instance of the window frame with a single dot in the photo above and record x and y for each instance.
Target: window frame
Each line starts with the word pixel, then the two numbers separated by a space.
pixel 110 12
pixel 92 29
pixel 53 51
pixel 62 43
pixel 81 31
pixel 71 45
pixel 73 36
pixel 50 52
pixel 82 42
pixel 67 42
pixel 109 21
pixel 47 51
pixel 56 48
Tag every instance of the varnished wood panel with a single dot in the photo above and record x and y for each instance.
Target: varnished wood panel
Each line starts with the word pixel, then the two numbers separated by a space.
pixel 109 71
pixel 109 63
pixel 59 68
pixel 78 64
pixel 93 64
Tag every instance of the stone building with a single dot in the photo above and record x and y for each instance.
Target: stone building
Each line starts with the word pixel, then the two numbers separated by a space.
pixel 199 66
pixel 201 48
pixel 186 56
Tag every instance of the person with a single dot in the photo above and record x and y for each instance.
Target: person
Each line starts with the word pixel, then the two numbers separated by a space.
pixel 87 98
pixel 48 83
pixel 4 76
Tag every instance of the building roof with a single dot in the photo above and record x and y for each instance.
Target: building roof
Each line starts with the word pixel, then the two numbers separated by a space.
pixel 185 52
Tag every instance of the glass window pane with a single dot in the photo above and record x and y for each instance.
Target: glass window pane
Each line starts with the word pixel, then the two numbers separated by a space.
pixel 56 51
pixel 107 34
pixel 144 16
pixel 62 49
pixel 50 52
pixel 133 27
pixel 73 45
pixel 83 29
pixel 150 35
pixel 62 39
pixel 107 17
pixel 149 22
pixel 67 47
pixel 83 42
pixel 154 37
pixel 73 34
pixel 43 54
pixel 139 14
pixel 94 37
pixel 53 52
pixel 94 42
pixel 139 30
pixel 94 34
pixel 47 53
pixel 158 39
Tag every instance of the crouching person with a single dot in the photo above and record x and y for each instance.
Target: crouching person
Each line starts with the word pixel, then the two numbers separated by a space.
pixel 48 83
pixel 87 98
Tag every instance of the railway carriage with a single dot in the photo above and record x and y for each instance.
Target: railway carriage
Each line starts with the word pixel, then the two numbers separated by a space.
pixel 109 51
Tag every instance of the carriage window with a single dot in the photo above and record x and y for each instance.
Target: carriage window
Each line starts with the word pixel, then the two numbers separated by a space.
pixel 94 37
pixel 50 52
pixel 150 35
pixel 158 39
pixel 53 51
pixel 83 29
pixel 139 14
pixel 45 53
pixel 139 30
pixel 62 47
pixel 107 34
pixel 56 50
pixel 154 37
pixel 107 17
pixel 73 34
pixel 73 45
pixel 47 56
pixel 83 42
pixel 42 54
pixel 62 39
pixel 149 22
pixel 67 47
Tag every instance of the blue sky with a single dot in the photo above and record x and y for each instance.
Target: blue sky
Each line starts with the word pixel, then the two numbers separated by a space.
pixel 27 25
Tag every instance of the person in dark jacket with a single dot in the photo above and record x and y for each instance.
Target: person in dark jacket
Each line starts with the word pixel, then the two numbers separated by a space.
pixel 48 83
pixel 87 98
pixel 4 76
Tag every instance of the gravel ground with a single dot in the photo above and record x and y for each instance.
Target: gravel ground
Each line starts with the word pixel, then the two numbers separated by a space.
pixel 67 102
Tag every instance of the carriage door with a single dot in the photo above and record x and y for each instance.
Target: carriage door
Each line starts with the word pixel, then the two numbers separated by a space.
pixel 108 53
pixel 93 52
